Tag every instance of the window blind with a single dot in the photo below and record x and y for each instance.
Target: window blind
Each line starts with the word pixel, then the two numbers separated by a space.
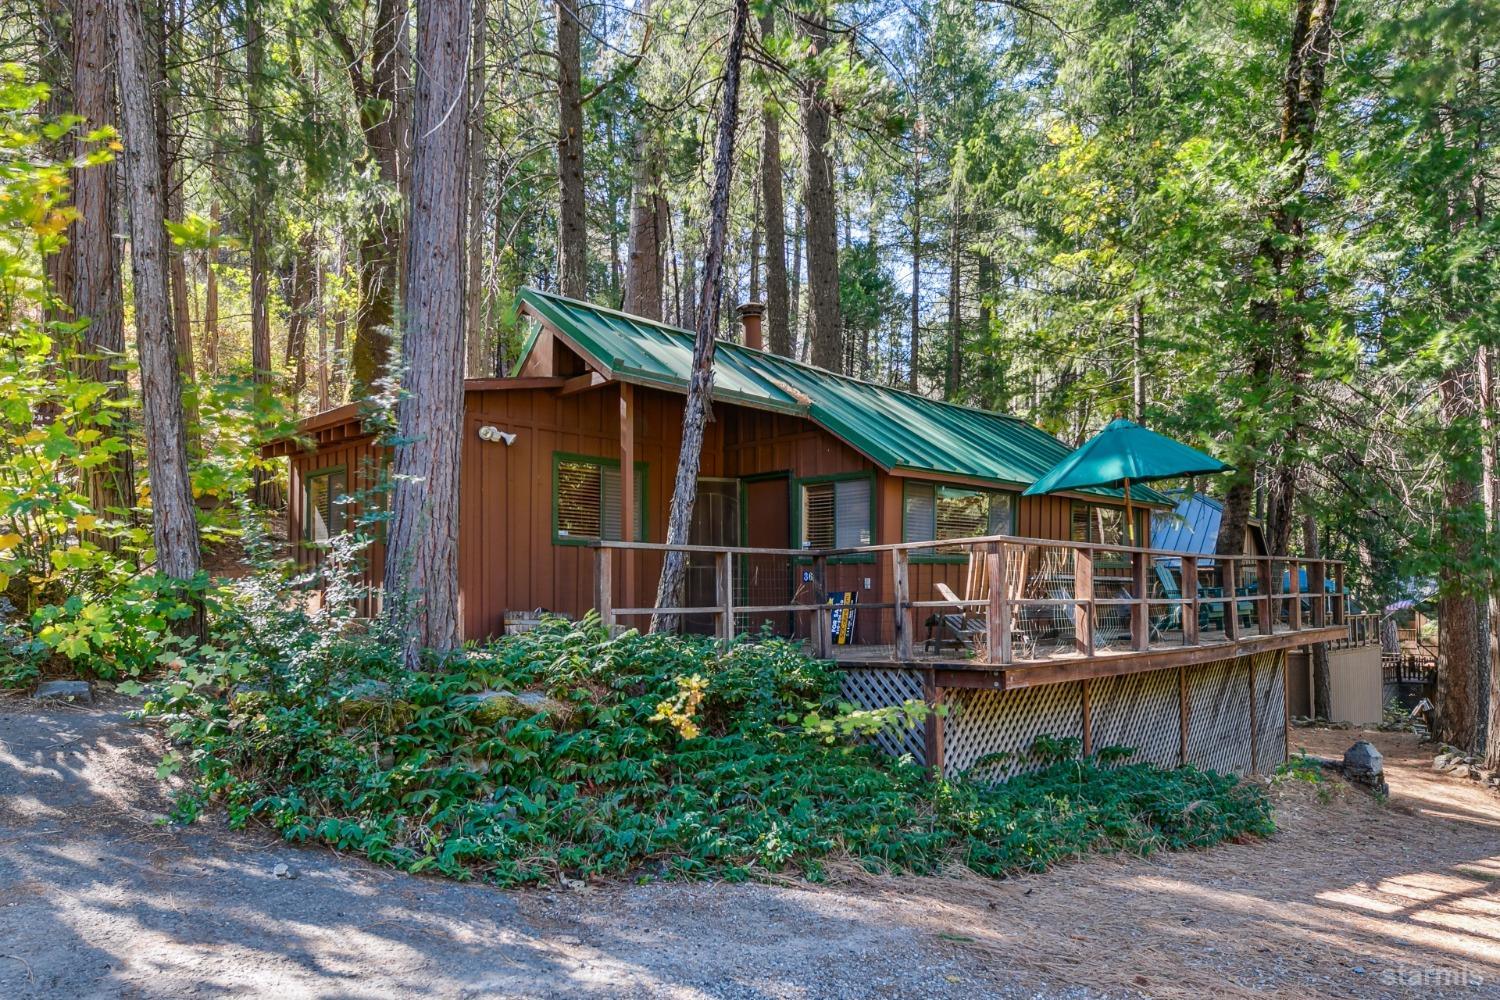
pixel 818 516
pixel 588 500
pixel 852 513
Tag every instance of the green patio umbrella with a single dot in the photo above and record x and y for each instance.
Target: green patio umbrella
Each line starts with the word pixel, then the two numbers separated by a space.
pixel 1121 454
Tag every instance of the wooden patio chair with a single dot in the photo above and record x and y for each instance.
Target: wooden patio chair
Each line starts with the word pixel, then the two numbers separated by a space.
pixel 966 625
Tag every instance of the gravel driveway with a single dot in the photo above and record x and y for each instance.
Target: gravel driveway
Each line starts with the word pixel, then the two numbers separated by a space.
pixel 100 898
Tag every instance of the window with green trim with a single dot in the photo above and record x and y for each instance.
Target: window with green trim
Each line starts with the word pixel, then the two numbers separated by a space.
pixel 1104 525
pixel 322 513
pixel 586 499
pixel 933 511
pixel 836 513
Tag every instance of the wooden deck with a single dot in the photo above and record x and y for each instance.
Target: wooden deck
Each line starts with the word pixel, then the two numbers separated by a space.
pixel 1002 612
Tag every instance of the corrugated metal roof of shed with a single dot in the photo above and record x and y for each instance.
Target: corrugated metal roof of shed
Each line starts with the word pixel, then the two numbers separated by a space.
pixel 1193 526
pixel 895 428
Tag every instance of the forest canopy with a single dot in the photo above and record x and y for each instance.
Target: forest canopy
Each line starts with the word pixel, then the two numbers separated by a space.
pixel 1261 227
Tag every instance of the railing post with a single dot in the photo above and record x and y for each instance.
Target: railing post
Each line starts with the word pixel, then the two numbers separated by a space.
pixel 1140 611
pixel 998 614
pixel 1294 587
pixel 901 591
pixel 1083 597
pixel 822 643
pixel 604 597
pixel 724 584
pixel 1231 590
pixel 1268 587
pixel 1340 600
pixel 1317 583
pixel 1189 609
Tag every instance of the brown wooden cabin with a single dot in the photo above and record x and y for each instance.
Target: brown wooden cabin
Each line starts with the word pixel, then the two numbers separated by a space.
pixel 593 420
pixel 854 495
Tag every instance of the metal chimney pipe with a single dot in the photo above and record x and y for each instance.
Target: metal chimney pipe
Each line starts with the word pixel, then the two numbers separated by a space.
pixel 750 317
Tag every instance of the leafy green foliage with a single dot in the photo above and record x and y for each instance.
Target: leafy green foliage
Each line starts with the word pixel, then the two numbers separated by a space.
pixel 550 754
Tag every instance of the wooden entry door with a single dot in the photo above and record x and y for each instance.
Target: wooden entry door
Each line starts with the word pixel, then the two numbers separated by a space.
pixel 761 580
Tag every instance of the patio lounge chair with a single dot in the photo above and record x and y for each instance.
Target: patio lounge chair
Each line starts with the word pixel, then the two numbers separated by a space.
pixel 965 625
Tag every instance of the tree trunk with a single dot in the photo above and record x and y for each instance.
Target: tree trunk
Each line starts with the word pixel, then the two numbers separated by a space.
pixel 211 293
pixel 824 326
pixel 1490 496
pixel 700 387
pixel 421 567
pixel 1318 651
pixel 378 94
pixel 773 205
pixel 572 231
pixel 955 311
pixel 794 312
pixel 301 304
pixel 645 249
pixel 1302 95
pixel 94 286
pixel 914 340
pixel 648 221
pixel 1138 356
pixel 174 523
pixel 1458 628
pixel 478 363
pixel 260 183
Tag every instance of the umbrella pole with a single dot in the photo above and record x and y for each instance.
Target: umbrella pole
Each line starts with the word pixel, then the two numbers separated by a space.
pixel 1129 517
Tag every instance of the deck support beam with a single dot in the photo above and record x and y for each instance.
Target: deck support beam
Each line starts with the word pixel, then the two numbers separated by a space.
pixel 932 733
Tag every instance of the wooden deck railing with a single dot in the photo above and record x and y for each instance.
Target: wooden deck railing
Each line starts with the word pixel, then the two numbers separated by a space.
pixel 1016 601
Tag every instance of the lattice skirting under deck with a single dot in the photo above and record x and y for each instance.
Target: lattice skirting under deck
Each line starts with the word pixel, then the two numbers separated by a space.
pixel 880 688
pixel 988 734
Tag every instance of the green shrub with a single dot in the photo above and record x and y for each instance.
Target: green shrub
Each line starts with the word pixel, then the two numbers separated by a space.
pixel 330 740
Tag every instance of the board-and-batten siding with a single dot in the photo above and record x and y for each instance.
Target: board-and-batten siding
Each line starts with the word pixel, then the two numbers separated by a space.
pixel 507 558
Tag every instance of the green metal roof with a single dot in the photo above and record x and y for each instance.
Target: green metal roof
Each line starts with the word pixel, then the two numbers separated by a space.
pixel 894 428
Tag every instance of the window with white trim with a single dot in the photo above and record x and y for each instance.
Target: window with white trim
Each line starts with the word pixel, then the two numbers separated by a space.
pixel 836 514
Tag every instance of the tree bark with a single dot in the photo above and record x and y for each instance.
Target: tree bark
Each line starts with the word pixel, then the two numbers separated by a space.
pixel 645 249
pixel 1138 357
pixel 773 206
pixel 824 325
pixel 1318 651
pixel 955 312
pixel 94 286
pixel 1302 96
pixel 1490 497
pixel 421 568
pixel 700 386
pixel 300 312
pixel 477 364
pixel 174 522
pixel 572 231
pixel 260 183
pixel 378 93
pixel 1458 629
pixel 914 339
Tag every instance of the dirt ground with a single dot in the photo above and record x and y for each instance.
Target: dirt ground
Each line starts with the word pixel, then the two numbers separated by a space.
pixel 100 898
